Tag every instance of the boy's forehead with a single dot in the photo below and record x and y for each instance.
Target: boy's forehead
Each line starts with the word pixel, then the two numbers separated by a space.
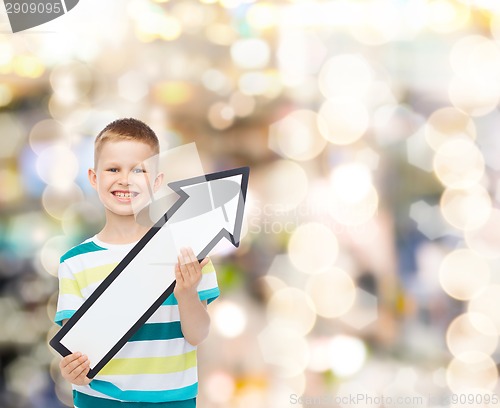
pixel 126 151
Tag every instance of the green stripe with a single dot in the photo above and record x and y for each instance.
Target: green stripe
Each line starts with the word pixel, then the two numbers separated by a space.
pixel 69 286
pixel 93 275
pixel 81 249
pixel 150 365
pixel 208 268
pixel 158 331
pixel 86 401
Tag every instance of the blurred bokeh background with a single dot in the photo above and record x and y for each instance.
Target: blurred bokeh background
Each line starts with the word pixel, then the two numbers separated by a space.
pixel 367 275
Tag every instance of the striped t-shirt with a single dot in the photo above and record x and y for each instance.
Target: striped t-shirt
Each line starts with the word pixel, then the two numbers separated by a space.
pixel 157 364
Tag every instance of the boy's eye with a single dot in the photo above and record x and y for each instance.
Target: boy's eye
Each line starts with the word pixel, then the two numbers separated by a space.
pixel 139 170
pixel 113 170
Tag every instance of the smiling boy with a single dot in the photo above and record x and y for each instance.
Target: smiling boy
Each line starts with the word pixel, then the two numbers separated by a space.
pixel 157 367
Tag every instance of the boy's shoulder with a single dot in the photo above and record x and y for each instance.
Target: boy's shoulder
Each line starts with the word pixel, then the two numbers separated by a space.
pixel 89 245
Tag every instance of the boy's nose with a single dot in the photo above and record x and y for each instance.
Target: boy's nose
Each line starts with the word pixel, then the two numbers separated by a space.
pixel 124 179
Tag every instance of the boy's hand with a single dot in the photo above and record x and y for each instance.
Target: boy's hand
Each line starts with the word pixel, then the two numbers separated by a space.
pixel 74 368
pixel 187 273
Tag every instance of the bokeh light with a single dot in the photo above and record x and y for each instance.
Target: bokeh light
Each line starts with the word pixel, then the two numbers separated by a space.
pixel 476 62
pixel 463 274
pixel 313 248
pixel 345 76
pixel 277 194
pixel 343 121
pixel 221 115
pixel 11 189
pixel 56 200
pixel 347 355
pixel 469 333
pixel 300 55
pixel 45 133
pixel 291 307
pixel 448 123
pixel 229 318
pixel 13 135
pixel 333 292
pixel 487 303
pixel 57 166
pixel 250 53
pixel 220 386
pixel 297 136
pixel 263 83
pixel 51 251
pixel 285 349
pixel 459 163
pixel 466 209
pixel 353 199
pixel 447 16
pixel 71 82
pixel 485 240
pixel 6 95
pixel 262 15
pixel 471 370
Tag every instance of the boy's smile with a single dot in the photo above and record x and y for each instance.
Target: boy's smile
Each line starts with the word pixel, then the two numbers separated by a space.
pixel 125 196
pixel 122 179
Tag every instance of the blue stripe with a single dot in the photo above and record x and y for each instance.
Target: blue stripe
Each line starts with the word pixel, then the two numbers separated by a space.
pixel 87 401
pixel 82 249
pixel 113 391
pixel 209 294
pixel 63 315
pixel 158 331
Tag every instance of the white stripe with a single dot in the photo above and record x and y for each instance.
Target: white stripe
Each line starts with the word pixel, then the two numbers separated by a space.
pixel 155 348
pixel 94 259
pixel 68 302
pixel 208 281
pixel 153 382
pixel 166 313
pixel 64 271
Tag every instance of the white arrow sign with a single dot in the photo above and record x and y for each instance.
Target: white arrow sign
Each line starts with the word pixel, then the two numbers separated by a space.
pixel 209 208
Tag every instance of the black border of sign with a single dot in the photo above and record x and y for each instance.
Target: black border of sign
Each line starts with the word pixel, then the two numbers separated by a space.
pixel 55 342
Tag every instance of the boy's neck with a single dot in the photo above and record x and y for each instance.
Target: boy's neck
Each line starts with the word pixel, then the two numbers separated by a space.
pixel 121 230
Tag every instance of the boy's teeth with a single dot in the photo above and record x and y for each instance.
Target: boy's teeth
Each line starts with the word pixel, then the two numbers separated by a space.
pixel 124 195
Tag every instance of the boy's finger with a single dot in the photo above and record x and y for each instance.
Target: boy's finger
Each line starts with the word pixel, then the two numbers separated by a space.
pixel 69 359
pixel 178 270
pixel 186 255
pixel 186 259
pixel 74 364
pixel 183 257
pixel 80 369
pixel 82 378
pixel 204 262
pixel 70 368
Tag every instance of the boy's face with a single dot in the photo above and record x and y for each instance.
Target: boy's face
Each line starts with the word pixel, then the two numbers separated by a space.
pixel 123 178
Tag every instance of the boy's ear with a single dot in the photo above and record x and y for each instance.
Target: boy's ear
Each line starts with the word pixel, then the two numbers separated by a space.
pixel 158 182
pixel 92 178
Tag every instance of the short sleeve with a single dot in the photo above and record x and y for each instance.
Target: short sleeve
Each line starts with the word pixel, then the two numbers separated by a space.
pixel 70 297
pixel 208 288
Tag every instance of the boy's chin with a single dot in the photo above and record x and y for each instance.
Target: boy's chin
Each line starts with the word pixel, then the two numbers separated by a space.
pixel 153 211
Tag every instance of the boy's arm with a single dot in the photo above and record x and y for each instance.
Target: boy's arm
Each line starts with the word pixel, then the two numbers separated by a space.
pixel 195 321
